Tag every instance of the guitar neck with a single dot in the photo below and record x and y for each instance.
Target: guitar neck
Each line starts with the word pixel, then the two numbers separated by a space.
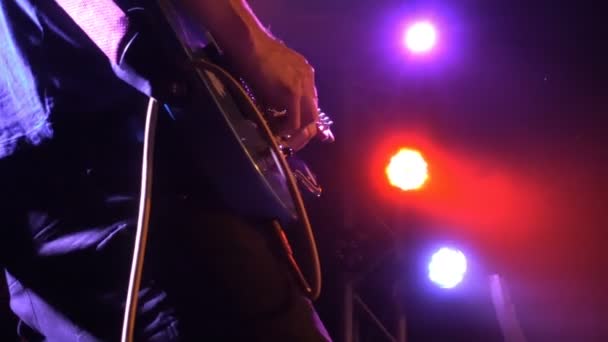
pixel 181 28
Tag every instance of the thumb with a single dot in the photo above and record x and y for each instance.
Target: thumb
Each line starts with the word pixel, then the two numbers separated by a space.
pixel 300 139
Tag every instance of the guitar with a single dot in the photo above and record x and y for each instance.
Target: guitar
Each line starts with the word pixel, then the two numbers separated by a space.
pixel 255 172
pixel 219 108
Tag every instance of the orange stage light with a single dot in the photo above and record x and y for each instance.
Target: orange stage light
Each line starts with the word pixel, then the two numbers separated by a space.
pixel 407 170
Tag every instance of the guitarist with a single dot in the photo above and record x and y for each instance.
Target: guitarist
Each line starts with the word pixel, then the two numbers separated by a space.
pixel 70 159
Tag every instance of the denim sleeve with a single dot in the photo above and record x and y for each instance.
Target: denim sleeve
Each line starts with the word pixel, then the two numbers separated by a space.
pixel 23 112
pixel 35 37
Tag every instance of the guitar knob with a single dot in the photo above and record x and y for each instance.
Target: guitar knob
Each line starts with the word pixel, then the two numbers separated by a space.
pixel 327 136
pixel 287 151
pixel 323 126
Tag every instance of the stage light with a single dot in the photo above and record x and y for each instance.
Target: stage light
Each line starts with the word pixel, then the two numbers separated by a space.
pixel 447 267
pixel 420 37
pixel 407 170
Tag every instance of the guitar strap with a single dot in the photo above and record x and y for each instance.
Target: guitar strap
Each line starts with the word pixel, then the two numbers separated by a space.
pixel 112 31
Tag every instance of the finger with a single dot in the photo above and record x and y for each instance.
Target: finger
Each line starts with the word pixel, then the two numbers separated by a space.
pixel 302 137
pixel 309 106
pixel 292 122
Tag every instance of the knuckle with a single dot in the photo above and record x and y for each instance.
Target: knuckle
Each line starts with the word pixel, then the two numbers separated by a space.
pixel 312 129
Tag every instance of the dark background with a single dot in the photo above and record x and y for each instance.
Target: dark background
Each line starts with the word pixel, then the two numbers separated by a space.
pixel 510 114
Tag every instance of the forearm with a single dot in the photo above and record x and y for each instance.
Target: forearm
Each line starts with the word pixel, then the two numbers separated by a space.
pixel 232 23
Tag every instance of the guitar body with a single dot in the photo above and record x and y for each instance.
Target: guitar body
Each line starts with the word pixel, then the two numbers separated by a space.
pixel 238 152
pixel 253 170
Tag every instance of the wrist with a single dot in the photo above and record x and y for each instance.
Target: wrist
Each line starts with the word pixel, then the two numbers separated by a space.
pixel 235 28
pixel 238 32
pixel 250 44
pixel 247 52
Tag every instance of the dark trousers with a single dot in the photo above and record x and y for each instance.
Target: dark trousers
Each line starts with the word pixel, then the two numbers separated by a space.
pixel 209 276
pixel 226 284
pixel 68 218
pixel 239 286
